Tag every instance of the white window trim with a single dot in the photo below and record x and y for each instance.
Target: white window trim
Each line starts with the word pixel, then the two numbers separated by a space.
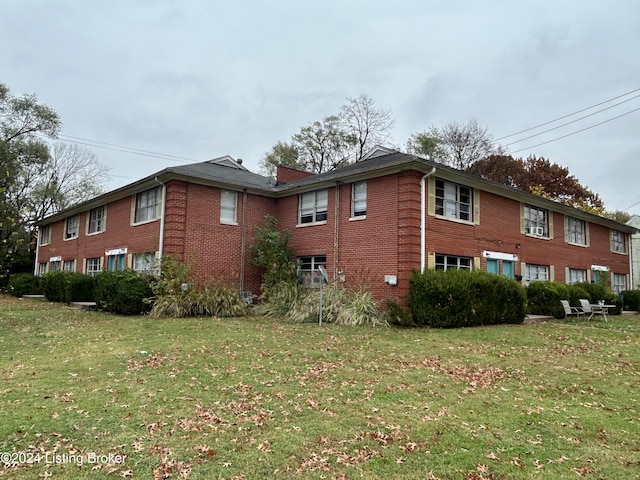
pixel 315 208
pixel 228 208
pixel 353 216
pixel 134 206
pixel 47 240
pixel 104 221
pixel 472 205
pixel 624 242
pixel 546 234
pixel 64 233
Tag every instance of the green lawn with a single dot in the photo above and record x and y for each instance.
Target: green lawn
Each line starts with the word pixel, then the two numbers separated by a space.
pixel 91 395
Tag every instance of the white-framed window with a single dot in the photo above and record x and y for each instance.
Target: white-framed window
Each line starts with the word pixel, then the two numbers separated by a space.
pixel 453 200
pixel 358 199
pixel 308 273
pixel 94 265
pixel 228 207
pixel 448 262
pixel 44 232
pixel 576 275
pixel 617 242
pixel 71 227
pixel 143 262
pixel 576 231
pixel 536 221
pixel 42 268
pixel 97 220
pixel 55 265
pixel 618 282
pixel 147 205
pixel 313 207
pixel 536 273
pixel 69 265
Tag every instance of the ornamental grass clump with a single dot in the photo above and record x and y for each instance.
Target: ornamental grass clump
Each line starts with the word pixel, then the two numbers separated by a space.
pixel 339 305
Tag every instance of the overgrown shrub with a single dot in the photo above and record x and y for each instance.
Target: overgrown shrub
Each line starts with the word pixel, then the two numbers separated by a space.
pixel 543 298
pixel 631 299
pixel 278 299
pixel 210 300
pixel 339 305
pixel 124 293
pixel 24 284
pixel 460 298
pixel 599 291
pixel 66 287
pixel 397 315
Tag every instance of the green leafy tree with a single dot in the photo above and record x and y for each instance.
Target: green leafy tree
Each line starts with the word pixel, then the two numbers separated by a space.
pixel 281 153
pixel 22 123
pixel 458 145
pixel 333 142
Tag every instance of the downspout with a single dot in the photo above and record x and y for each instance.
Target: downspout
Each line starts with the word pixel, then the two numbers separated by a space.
pixel 423 217
pixel 35 267
pixel 243 241
pixel 631 255
pixel 162 211
pixel 336 232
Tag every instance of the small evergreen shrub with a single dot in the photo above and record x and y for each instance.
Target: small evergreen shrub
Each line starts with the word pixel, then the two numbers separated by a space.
pixel 631 299
pixel 54 286
pixel 543 298
pixel 460 298
pixel 66 287
pixel 124 293
pixel 24 284
pixel 397 315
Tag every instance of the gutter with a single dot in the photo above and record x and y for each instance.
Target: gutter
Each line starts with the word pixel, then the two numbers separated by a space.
pixel 423 217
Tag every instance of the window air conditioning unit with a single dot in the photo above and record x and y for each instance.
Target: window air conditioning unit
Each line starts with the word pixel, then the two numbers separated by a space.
pixel 538 231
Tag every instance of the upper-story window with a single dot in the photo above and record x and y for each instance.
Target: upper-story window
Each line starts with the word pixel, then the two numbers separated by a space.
pixel 147 205
pixel 358 199
pixel 313 207
pixel 617 242
pixel 71 227
pixel 453 200
pixel 576 231
pixel 97 219
pixel 45 234
pixel 536 221
pixel 228 207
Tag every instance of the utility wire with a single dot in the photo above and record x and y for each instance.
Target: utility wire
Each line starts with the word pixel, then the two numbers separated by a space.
pixel 577 131
pixel 569 123
pixel 569 115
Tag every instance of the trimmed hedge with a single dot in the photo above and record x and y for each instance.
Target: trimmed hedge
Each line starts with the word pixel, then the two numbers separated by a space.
pixel 66 287
pixel 543 298
pixel 24 284
pixel 125 292
pixel 461 298
pixel 631 299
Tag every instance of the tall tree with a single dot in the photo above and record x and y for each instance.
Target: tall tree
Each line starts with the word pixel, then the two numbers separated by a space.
pixel 281 153
pixel 539 176
pixel 456 145
pixel 370 125
pixel 22 121
pixel 335 141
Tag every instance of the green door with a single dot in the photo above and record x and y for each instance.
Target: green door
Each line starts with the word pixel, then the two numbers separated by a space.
pixel 508 268
pixel 493 266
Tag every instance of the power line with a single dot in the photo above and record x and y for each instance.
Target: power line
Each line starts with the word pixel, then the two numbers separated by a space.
pixel 569 123
pixel 578 131
pixel 569 115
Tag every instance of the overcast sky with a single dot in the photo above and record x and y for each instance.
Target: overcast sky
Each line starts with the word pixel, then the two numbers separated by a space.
pixel 201 79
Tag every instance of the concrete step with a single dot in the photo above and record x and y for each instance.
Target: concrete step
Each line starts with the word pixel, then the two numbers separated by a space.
pixel 89 306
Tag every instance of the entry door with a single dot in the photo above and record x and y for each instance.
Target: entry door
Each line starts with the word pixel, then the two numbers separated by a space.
pixel 493 266
pixel 508 268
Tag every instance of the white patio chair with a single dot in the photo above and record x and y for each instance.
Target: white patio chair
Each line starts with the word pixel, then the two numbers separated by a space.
pixel 569 310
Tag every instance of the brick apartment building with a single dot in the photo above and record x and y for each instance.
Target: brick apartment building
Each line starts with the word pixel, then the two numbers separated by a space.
pixel 373 222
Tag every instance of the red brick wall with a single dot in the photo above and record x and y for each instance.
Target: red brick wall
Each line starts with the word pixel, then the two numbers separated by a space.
pixel 119 233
